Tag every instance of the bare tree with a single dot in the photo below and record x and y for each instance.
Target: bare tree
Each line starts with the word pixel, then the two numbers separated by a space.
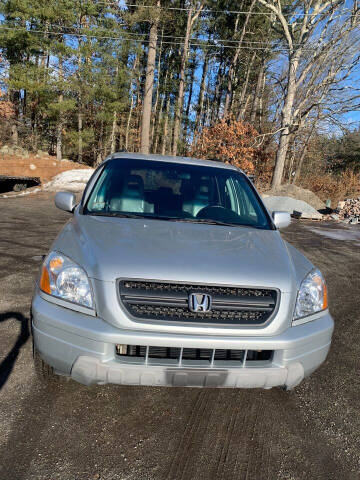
pixel 59 126
pixel 134 80
pixel 234 61
pixel 193 13
pixel 149 84
pixel 200 105
pixel 242 103
pixel 316 33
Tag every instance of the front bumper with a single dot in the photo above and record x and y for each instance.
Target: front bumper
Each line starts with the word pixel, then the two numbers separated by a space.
pixel 83 347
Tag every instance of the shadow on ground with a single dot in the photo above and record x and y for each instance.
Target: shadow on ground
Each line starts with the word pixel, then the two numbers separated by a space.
pixel 7 365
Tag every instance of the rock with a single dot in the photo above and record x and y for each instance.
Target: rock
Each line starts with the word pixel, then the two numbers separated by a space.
pixel 14 150
pixel 334 216
pixel 5 149
pixel 296 207
pixel 298 193
pixel 41 153
pixel 350 210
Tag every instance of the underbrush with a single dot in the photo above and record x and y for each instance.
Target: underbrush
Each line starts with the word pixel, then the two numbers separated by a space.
pixel 334 186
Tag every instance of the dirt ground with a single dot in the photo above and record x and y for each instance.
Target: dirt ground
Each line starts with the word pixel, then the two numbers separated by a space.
pixel 71 432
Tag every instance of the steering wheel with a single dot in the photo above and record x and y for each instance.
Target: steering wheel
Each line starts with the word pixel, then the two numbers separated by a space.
pixel 218 213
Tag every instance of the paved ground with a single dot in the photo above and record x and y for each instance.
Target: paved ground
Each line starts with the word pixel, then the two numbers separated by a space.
pixel 70 432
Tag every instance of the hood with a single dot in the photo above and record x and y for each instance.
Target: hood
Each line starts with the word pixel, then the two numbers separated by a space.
pixel 111 248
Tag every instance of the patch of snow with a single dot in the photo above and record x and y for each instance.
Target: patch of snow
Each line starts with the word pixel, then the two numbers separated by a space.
pixel 70 180
pixel 345 233
pixel 21 194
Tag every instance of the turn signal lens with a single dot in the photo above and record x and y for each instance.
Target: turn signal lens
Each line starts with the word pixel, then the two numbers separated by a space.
pixel 45 281
pixel 325 298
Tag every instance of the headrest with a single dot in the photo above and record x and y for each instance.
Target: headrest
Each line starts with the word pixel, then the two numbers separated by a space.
pixel 204 189
pixel 134 182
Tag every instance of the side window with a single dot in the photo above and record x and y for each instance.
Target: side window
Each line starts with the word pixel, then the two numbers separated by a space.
pixel 247 202
pixel 249 207
pixel 98 197
pixel 230 196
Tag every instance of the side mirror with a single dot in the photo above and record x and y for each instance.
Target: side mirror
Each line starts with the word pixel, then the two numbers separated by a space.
pixel 65 201
pixel 281 219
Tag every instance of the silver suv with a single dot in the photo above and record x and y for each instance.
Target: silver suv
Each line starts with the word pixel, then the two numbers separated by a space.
pixel 172 272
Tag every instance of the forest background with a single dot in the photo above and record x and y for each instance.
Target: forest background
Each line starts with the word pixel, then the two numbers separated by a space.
pixel 269 85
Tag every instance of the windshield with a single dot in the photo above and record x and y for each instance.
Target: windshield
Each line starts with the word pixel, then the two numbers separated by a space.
pixel 178 192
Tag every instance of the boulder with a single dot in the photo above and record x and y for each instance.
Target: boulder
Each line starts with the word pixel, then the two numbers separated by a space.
pixel 298 193
pixel 295 207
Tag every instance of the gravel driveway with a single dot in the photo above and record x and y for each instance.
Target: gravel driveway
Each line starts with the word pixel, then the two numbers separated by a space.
pixel 71 432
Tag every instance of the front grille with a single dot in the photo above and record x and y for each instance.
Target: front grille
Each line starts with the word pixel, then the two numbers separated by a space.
pixel 193 354
pixel 169 302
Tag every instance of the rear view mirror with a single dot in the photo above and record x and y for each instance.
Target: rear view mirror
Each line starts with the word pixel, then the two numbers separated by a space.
pixel 65 201
pixel 281 219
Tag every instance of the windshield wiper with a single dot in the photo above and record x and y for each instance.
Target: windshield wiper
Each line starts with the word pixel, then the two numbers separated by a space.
pixel 133 215
pixel 207 221
pixel 115 214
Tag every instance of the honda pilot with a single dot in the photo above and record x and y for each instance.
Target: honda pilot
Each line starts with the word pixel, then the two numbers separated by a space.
pixel 172 272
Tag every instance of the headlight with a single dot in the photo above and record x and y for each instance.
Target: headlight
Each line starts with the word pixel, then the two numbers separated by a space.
pixel 312 296
pixel 63 278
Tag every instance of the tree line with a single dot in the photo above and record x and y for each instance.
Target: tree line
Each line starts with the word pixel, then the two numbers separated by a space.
pixel 85 78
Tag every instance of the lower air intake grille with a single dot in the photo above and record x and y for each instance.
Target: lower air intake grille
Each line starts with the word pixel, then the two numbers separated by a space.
pixel 169 302
pixel 180 354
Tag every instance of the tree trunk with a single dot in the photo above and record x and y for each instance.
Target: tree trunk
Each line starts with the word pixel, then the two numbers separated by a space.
pixel 286 121
pixel 303 155
pixel 192 77
pixel 242 106
pixel 129 121
pixel 80 106
pixel 159 82
pixel 200 106
pixel 101 151
pixel 232 68
pixel 217 95
pixel 261 104
pixel 160 115
pixel 149 86
pixel 14 135
pixel 166 124
pixel 59 125
pixel 188 106
pixel 14 97
pixel 180 100
pixel 80 142
pixel 257 95
pixel 300 164
pixel 113 134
